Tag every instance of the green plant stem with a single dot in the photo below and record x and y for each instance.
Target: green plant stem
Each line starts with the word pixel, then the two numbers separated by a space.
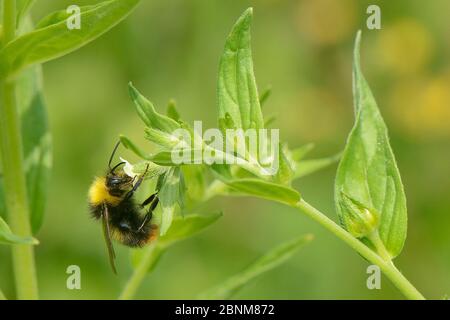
pixel 14 173
pixel 379 246
pixel 216 187
pixel 383 259
pixel 387 266
pixel 148 259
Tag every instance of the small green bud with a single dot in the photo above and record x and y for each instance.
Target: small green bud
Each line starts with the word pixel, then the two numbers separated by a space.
pixel 226 123
pixel 358 219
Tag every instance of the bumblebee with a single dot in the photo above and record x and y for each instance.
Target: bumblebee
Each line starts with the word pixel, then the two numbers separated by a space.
pixel 111 200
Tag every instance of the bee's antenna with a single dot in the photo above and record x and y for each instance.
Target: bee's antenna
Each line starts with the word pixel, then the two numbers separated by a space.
pixel 112 156
pixel 118 165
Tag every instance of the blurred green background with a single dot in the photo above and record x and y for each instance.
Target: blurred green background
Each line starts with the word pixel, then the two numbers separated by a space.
pixel 170 49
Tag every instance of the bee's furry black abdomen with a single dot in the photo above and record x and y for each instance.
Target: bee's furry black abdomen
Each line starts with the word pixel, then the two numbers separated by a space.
pixel 129 225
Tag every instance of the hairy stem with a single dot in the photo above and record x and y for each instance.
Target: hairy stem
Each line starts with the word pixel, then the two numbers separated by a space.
pixel 150 256
pixel 14 173
pixel 388 268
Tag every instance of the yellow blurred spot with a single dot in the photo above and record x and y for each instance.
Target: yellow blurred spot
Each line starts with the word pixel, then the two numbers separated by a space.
pixel 327 22
pixel 422 108
pixel 405 46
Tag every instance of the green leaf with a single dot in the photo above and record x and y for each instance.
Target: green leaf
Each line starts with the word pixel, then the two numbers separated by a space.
pixel 56 39
pixel 270 120
pixel 161 138
pixel 63 15
pixel 172 111
pixel 261 189
pixel 37 142
pixel 265 263
pixel 237 91
pixel 182 228
pixel 185 227
pixel 171 196
pixel 2 193
pixel 161 130
pixel 265 95
pixel 23 6
pixel 300 153
pixel 266 190
pixel 148 114
pixel 150 169
pixel 163 158
pixel 7 237
pixel 195 174
pixel 368 171
pixel 307 167
pixel 128 144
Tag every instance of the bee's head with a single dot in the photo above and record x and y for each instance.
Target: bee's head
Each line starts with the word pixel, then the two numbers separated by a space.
pixel 116 179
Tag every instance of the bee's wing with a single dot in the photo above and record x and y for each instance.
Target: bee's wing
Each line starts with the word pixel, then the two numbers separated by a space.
pixel 107 234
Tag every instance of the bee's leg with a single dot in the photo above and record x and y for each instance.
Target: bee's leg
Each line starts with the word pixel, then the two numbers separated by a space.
pixel 146 220
pixel 137 184
pixel 149 199
pixel 153 203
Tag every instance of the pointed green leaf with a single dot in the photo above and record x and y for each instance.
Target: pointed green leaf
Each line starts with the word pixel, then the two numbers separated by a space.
pixel 163 139
pixel 265 263
pixel 150 169
pixel 195 174
pixel 148 113
pixel 269 120
pixel 7 237
pixel 300 153
pixel 56 39
pixel 368 171
pixel 237 91
pixel 265 95
pixel 262 189
pixel 307 167
pixel 171 195
pixel 172 111
pixel 185 227
pixel 128 144
pixel 163 158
